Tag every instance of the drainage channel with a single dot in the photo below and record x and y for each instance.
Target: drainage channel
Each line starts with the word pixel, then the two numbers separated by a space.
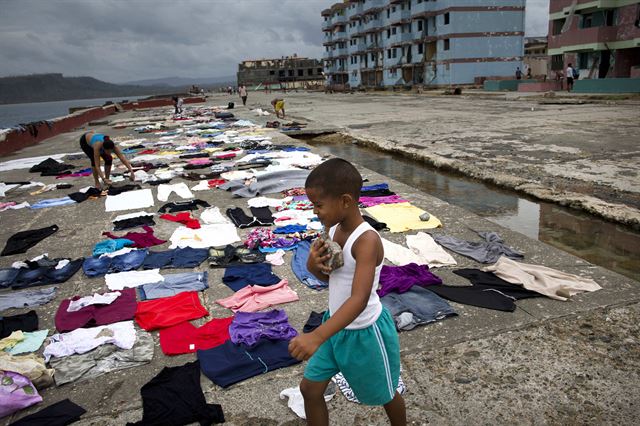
pixel 612 246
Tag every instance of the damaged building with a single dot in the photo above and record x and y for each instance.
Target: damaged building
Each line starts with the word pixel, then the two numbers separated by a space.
pixel 600 38
pixel 289 72
pixel 374 43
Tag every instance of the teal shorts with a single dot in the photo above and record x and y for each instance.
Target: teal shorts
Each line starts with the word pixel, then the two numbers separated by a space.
pixel 369 359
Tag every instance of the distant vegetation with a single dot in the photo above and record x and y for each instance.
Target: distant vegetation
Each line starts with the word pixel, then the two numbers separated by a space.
pixel 55 87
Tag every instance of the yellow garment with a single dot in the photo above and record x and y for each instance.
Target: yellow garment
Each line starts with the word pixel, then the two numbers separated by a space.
pixel 11 340
pixel 31 366
pixel 279 105
pixel 402 217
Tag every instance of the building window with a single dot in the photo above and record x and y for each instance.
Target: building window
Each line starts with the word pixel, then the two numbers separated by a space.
pixel 446 44
pixel 300 73
pixel 272 72
pixel 393 9
pixel 388 33
pixel 420 23
pixel 420 49
pixel 290 73
pixel 557 62
pixel 388 53
pixel 388 13
pixel 393 31
pixel 446 18
pixel 319 70
pixel 373 56
pixel 583 60
pixel 281 73
pixel 556 27
pixel 395 52
pixel 310 71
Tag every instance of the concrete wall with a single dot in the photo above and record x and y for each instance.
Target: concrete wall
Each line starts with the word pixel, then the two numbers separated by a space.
pixel 16 140
pixel 500 85
pixel 608 85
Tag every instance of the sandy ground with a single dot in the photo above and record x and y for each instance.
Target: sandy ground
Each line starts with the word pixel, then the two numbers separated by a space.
pixel 586 156
pixel 549 362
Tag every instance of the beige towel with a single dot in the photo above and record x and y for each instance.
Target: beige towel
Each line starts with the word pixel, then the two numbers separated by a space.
pixel 550 282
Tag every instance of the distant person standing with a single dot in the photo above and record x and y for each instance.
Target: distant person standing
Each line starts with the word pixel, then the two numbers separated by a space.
pixel 96 146
pixel 229 90
pixel 177 104
pixel 518 74
pixel 242 91
pixel 278 106
pixel 570 75
pixel 529 76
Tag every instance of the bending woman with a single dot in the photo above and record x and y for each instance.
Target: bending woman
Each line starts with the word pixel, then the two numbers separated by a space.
pixel 97 145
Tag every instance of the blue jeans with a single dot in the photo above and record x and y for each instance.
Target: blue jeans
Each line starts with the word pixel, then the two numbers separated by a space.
pixel 98 266
pixel 46 275
pixel 177 258
pixel 174 284
pixel 299 266
pixel 415 307
pixel 8 276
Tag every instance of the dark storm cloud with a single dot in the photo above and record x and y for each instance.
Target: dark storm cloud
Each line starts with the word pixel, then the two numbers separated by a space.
pixel 123 40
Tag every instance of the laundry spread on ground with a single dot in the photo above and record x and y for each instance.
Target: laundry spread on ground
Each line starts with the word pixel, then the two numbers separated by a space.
pixel 149 276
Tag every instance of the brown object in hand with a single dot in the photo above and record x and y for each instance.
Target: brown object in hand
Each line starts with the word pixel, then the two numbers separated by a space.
pixel 335 260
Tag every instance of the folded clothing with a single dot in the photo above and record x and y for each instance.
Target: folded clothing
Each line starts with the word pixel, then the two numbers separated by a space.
pixel 229 363
pixel 98 266
pixel 44 275
pixel 174 284
pixel 416 306
pixel 254 298
pixel 184 338
pixel 168 311
pixel 123 308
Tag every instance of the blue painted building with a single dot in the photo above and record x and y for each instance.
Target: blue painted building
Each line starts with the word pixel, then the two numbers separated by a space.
pixel 432 42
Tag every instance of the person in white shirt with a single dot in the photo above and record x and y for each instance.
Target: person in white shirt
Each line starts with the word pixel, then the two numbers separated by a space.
pixel 242 91
pixel 569 75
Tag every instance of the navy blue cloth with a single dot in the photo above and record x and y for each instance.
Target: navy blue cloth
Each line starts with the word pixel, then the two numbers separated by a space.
pixel 290 229
pixel 299 266
pixel 46 275
pixel 237 277
pixel 177 258
pixel 98 266
pixel 375 187
pixel 8 276
pixel 229 363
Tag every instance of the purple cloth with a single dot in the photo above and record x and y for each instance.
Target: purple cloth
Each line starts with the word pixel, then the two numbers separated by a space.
pixel 16 392
pixel 300 198
pixel 388 199
pixel 249 327
pixel 400 279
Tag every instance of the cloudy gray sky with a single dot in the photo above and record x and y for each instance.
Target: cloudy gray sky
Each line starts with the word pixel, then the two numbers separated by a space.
pixel 125 40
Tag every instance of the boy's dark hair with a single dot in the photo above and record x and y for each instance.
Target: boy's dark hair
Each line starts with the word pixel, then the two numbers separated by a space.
pixel 336 177
pixel 108 143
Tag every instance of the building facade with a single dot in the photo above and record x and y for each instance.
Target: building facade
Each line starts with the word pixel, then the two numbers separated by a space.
pixel 601 38
pixel 430 42
pixel 287 72
pixel 535 56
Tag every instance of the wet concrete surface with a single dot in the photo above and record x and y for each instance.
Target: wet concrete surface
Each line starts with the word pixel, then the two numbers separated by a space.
pixel 582 156
pixel 535 365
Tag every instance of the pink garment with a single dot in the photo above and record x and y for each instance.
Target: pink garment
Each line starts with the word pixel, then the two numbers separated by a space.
pixel 374 201
pixel 254 297
pixel 5 206
pixel 199 161
pixel 71 175
pixel 141 239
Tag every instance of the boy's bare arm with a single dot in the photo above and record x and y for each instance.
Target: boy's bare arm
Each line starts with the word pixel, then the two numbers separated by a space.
pixel 365 251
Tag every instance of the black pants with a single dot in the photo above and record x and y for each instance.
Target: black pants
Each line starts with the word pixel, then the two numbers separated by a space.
pixel 244 100
pixel 86 148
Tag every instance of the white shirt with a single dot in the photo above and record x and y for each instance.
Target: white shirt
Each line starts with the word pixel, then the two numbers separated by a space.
pixel 569 72
pixel 341 282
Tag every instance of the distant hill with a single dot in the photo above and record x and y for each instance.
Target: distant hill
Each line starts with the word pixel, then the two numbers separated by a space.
pixel 186 81
pixel 55 87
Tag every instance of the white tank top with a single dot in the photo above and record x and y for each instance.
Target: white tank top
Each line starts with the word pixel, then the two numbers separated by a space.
pixel 341 281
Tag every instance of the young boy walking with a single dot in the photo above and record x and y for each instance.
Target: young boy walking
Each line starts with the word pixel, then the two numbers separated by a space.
pixel 358 336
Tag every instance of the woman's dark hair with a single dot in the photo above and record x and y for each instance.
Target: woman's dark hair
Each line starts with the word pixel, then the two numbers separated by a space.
pixel 108 143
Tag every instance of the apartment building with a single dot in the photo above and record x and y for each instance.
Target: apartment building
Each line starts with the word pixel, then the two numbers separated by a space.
pixel 289 72
pixel 430 42
pixel 601 38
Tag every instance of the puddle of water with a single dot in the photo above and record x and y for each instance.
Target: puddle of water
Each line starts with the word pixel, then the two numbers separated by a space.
pixel 600 242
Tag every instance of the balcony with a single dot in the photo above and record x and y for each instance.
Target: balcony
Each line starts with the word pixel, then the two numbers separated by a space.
pixel 422 8
pixel 597 35
pixel 339 36
pixel 372 24
pixel 355 11
pixel 328 55
pixel 372 4
pixel 335 68
pixel 326 24
pixel 399 16
pixel 358 47
pixel 340 52
pixel 338 19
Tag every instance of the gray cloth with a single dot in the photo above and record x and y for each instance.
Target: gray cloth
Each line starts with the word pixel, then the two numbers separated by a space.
pixel 487 251
pixel 174 284
pixel 25 298
pixel 104 359
pixel 267 183
pixel 416 307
